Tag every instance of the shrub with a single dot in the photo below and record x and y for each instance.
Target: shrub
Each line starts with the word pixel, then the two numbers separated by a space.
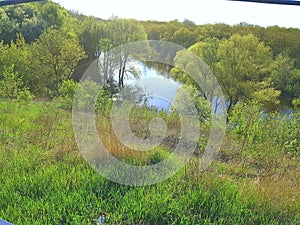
pixel 265 138
pixel 90 96
pixel 66 93
pixel 25 96
pixel 198 103
pixel 11 86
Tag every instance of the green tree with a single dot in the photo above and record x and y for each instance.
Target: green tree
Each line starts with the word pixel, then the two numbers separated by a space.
pixel 285 76
pixel 11 85
pixel 209 31
pixel 154 29
pixel 281 70
pixel 25 19
pixel 264 93
pixel 3 55
pixel 195 72
pixel 108 61
pixel 198 102
pixel 55 56
pixel 208 52
pixel 53 14
pixel 91 31
pixel 283 40
pixel 240 64
pixel 18 54
pixel 121 32
pixel 169 30
pixel 183 36
pixel 243 62
pixel 245 29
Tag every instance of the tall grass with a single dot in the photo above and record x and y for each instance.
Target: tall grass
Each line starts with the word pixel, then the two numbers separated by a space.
pixel 45 180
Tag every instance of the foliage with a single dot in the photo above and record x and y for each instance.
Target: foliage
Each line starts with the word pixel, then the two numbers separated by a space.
pixel 108 60
pixel 121 32
pixel 245 120
pixel 91 31
pixel 18 55
pixel 29 21
pixel 265 138
pixel 283 73
pixel 209 31
pixel 183 36
pixel 199 103
pixel 54 15
pixel 89 96
pixel 207 51
pixel 44 179
pixel 25 95
pixel 104 102
pixel 283 41
pixel 86 95
pixel 24 19
pixel 265 94
pixel 11 86
pixel 240 65
pixel 55 56
pixel 296 103
pixel 243 61
pixel 67 91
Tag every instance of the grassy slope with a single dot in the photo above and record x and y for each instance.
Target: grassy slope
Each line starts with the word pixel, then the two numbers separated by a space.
pixel 45 180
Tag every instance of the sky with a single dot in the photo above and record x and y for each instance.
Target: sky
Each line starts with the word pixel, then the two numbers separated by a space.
pixel 199 11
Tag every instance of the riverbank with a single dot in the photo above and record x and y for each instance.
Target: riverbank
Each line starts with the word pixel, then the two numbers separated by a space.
pixel 45 180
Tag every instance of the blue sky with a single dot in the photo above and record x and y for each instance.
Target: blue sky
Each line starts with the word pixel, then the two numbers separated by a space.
pixel 199 11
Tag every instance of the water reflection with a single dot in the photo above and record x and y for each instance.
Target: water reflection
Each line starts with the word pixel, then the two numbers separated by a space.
pixel 159 88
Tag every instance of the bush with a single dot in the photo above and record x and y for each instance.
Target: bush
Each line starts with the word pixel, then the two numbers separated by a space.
pixel 66 93
pixel 198 103
pixel 25 96
pixel 265 138
pixel 104 102
pixel 89 96
pixel 11 86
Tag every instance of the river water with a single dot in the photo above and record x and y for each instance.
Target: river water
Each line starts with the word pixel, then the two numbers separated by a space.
pixel 161 89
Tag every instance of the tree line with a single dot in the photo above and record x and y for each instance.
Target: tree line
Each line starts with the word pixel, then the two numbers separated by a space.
pixel 43 45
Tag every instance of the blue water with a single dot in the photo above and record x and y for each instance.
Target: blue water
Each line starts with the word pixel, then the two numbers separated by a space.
pixel 159 89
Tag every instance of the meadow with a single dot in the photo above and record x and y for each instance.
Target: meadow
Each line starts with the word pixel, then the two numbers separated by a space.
pixel 46 49
pixel 45 179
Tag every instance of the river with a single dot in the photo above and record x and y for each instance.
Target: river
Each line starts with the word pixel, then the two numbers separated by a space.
pixel 161 89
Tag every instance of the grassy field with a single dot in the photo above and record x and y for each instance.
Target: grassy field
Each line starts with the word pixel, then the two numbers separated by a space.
pixel 45 180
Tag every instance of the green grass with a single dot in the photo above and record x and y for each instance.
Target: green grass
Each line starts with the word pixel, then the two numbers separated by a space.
pixel 45 180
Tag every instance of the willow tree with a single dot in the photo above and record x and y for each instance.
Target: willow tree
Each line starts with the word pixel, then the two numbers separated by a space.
pixel 241 65
pixel 122 32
